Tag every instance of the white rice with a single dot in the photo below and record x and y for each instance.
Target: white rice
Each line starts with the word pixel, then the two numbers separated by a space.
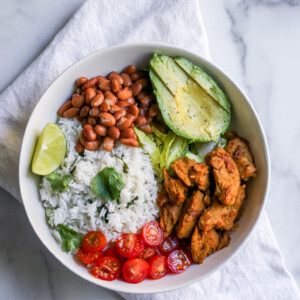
pixel 77 207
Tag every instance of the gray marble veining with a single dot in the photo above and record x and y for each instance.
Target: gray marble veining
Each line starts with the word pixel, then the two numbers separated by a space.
pixel 254 41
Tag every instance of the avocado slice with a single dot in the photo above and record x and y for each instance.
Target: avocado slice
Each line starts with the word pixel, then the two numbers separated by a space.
pixel 186 107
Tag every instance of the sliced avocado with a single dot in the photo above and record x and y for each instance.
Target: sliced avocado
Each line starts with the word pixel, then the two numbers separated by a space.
pixel 206 82
pixel 185 106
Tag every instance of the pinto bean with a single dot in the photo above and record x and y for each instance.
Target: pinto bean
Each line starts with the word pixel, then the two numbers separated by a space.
pixel 104 107
pixel 130 69
pixel 110 98
pixel 115 75
pixel 143 81
pixel 141 95
pixel 123 123
pixel 130 101
pixel 148 119
pixel 64 108
pixel 113 132
pixel 89 95
pixel 71 112
pixel 130 142
pixel 97 100
pixel 79 147
pixel 92 145
pixel 106 119
pixel 143 111
pixel 89 132
pixel 140 121
pixel 123 104
pixel 84 122
pixel 124 94
pixel 127 133
pixel 80 81
pixel 82 138
pixel 100 79
pixel 153 110
pixel 84 111
pixel 108 143
pixel 77 100
pixel 131 118
pixel 136 89
pixel 133 110
pixel 159 126
pixel 90 83
pixel 94 112
pixel 127 82
pixel 146 128
pixel 147 100
pixel 114 109
pixel 100 130
pixel 120 113
pixel 137 75
pixel 92 120
pixel 104 85
pixel 115 86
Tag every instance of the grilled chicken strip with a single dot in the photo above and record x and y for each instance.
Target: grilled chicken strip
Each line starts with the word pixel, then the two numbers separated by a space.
pixel 176 190
pixel 226 174
pixel 238 149
pixel 162 197
pixel 193 207
pixel 221 216
pixel 169 215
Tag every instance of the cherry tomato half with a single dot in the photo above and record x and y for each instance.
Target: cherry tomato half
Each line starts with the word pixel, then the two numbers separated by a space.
pixel 179 261
pixel 130 245
pixel 135 270
pixel 88 257
pixel 158 266
pixel 148 252
pixel 94 241
pixel 107 268
pixel 170 244
pixel 152 234
pixel 113 252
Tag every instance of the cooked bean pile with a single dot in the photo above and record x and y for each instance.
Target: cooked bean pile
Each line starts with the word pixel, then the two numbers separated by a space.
pixel 109 107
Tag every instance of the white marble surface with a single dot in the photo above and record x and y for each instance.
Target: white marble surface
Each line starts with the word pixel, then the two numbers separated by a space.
pixel 256 42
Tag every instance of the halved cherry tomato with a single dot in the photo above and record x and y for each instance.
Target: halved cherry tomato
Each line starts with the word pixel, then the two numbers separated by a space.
pixel 94 241
pixel 135 270
pixel 107 268
pixel 179 261
pixel 158 266
pixel 130 245
pixel 88 257
pixel 152 234
pixel 113 252
pixel 170 244
pixel 148 252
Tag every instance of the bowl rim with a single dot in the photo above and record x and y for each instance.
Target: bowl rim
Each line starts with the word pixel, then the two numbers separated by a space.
pixel 246 98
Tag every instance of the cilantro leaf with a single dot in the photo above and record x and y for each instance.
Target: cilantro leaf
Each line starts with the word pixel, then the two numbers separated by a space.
pixel 71 240
pixel 59 183
pixel 131 202
pixel 105 217
pixel 108 184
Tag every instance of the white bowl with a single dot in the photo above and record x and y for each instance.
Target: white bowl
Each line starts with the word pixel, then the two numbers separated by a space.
pixel 244 121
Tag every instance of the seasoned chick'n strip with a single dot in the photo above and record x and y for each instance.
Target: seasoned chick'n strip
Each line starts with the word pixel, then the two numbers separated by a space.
pixel 192 209
pixel 176 190
pixel 203 244
pixel 192 173
pixel 169 215
pixel 226 174
pixel 162 197
pixel 221 216
pixel 238 149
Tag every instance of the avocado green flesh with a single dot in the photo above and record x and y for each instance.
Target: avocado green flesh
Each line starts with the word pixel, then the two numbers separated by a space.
pixel 185 106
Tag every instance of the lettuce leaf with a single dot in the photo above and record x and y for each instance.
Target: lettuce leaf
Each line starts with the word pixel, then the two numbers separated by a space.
pixel 71 240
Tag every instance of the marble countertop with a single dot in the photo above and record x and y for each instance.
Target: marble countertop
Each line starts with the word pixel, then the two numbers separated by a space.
pixel 256 42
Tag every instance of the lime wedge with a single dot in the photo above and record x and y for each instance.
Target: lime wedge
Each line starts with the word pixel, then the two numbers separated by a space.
pixel 49 151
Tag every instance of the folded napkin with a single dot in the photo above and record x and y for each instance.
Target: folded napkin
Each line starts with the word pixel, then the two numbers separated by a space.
pixel 257 271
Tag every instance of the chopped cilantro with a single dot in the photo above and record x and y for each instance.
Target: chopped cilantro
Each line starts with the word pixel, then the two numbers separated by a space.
pixel 131 202
pixel 59 183
pixel 71 240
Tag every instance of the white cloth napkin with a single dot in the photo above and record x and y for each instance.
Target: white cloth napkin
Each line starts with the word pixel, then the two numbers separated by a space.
pixel 257 271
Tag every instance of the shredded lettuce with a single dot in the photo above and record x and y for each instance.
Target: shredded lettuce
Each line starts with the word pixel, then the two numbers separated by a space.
pixel 197 158
pixel 163 148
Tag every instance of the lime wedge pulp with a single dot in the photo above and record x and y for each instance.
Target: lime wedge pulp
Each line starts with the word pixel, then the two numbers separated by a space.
pixel 49 151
